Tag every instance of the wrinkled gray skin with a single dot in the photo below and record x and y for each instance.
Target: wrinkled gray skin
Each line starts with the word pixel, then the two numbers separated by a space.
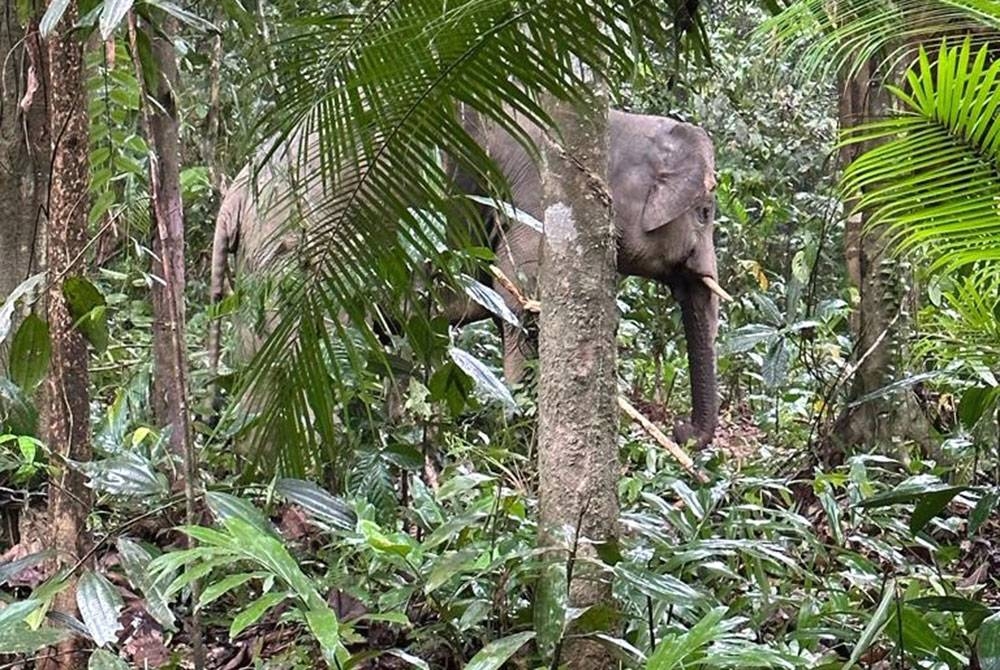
pixel 661 178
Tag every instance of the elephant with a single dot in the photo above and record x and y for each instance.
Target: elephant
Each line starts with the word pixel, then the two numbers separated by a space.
pixel 661 180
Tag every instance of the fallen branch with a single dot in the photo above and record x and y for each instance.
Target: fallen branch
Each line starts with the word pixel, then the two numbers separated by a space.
pixel 662 439
pixel 527 304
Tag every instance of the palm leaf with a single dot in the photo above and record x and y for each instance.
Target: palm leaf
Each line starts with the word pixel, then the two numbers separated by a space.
pixel 932 181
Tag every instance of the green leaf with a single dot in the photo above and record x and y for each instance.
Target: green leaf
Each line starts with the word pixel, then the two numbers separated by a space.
pixel 511 212
pixel 661 588
pixel 99 603
pixel 488 298
pixel 917 634
pixel 983 509
pixel 748 337
pixel 225 506
pixel 909 490
pixel 53 15
pixel 449 565
pixel 317 502
pixel 214 591
pixel 409 658
pixel 136 562
pixel 183 15
pixel 498 652
pixel 988 643
pixel 102 659
pixel 15 613
pixel 875 625
pixel 776 363
pixel 88 309
pixel 484 378
pixel 252 613
pixel 30 352
pixel 326 629
pixel 671 654
pixel 975 403
pixel 929 505
pixel 112 14
pixel 129 474
pixel 25 640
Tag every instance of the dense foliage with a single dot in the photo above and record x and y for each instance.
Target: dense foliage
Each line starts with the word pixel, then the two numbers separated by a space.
pixel 397 527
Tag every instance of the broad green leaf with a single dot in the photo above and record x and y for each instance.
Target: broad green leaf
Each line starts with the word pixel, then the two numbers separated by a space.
pixel 484 378
pixel 23 639
pixel 112 14
pixel 136 561
pixel 748 337
pixel 317 502
pixel 498 652
pixel 30 352
pixel 380 541
pixel 88 309
pixel 918 635
pixel 14 614
pixel 907 491
pixel 462 483
pixel 983 509
pixel 129 474
pixel 102 659
pixel 661 588
pixel 225 506
pixel 183 15
pixel 929 505
pixel 252 613
pixel 449 565
pixel 99 603
pixel 975 403
pixel 325 628
pixel 988 643
pixel 776 363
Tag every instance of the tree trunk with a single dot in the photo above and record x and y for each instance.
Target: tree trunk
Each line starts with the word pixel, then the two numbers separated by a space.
pixel 67 384
pixel 170 392
pixel 881 315
pixel 577 433
pixel 24 154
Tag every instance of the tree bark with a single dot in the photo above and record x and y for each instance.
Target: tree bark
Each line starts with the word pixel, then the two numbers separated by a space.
pixel 24 154
pixel 880 317
pixel 578 433
pixel 170 392
pixel 67 383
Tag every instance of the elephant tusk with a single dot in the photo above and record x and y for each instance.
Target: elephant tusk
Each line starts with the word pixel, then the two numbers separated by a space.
pixel 714 287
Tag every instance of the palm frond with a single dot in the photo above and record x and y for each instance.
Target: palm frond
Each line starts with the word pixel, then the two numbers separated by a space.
pixel 932 179
pixel 843 36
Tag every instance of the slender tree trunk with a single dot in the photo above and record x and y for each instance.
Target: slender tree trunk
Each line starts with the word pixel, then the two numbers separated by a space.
pixel 66 236
pixel 881 316
pixel 578 433
pixel 24 154
pixel 170 368
pixel 170 392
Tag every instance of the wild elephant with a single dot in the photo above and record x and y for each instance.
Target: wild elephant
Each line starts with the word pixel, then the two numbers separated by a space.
pixel 661 179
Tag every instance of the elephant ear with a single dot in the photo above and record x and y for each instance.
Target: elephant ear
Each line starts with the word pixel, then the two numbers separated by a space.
pixel 686 173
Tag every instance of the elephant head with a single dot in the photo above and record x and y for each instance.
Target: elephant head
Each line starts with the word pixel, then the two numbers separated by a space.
pixel 662 180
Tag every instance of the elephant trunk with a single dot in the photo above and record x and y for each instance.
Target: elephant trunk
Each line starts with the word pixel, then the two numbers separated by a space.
pixel 700 313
